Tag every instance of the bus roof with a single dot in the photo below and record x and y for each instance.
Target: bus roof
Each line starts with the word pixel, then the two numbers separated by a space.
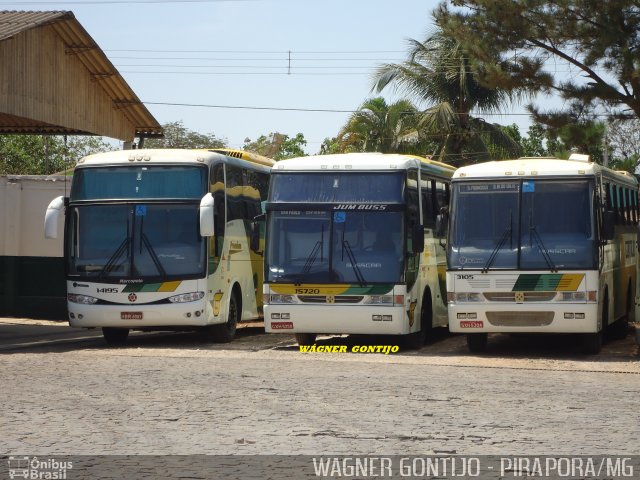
pixel 540 167
pixel 363 161
pixel 172 155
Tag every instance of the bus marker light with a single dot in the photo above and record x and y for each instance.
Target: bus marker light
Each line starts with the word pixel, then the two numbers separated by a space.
pixel 387 318
pixel 472 316
pixel 568 316
pixel 376 318
pixel 592 296
pixel 285 316
pixel 579 316
pixel 462 315
pixel 275 316
pixel 398 299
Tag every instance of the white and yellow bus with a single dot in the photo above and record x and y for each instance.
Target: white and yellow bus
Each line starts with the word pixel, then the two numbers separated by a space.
pixel 161 239
pixel 350 246
pixel 541 245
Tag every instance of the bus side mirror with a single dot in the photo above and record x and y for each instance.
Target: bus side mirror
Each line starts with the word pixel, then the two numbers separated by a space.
pixel 255 233
pixel 255 238
pixel 417 239
pixel 441 224
pixel 51 217
pixel 608 225
pixel 206 216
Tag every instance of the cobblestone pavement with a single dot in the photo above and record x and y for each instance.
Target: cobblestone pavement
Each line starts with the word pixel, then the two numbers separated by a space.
pixel 172 394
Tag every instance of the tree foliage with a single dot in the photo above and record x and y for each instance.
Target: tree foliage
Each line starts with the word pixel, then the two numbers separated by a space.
pixel 437 74
pixel 514 44
pixel 277 146
pixel 381 127
pixel 176 135
pixel 45 155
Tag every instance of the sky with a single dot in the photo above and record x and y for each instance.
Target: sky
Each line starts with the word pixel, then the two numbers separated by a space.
pixel 282 63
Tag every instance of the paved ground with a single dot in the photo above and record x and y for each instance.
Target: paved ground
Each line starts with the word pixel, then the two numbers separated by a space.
pixel 65 392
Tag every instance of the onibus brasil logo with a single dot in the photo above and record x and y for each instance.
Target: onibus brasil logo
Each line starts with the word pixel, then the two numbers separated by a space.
pixel 36 469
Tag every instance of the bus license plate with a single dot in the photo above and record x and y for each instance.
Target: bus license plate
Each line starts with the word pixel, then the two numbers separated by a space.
pixel 471 324
pixel 131 315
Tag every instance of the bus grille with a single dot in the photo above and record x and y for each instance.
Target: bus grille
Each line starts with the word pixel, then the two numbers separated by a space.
pixel 520 319
pixel 511 296
pixel 336 298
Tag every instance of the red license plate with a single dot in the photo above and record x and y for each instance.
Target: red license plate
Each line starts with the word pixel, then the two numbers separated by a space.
pixel 131 315
pixel 281 325
pixel 471 324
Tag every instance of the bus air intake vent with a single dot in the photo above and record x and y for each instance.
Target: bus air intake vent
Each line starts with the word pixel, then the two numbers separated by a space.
pixel 520 319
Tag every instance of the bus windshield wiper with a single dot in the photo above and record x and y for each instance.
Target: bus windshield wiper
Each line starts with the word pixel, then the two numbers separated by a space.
pixel 115 256
pixel 352 258
pixel 317 248
pixel 507 232
pixel 533 232
pixel 152 253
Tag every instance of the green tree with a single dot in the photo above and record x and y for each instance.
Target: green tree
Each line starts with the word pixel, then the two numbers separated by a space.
pixel 438 73
pixel 515 43
pixel 381 127
pixel 176 135
pixel 533 145
pixel 277 146
pixel 44 154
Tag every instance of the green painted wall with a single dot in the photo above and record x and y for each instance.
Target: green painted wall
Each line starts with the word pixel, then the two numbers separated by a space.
pixel 33 287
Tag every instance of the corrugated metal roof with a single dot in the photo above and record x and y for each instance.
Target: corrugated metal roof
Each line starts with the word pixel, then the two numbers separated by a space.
pixel 77 41
pixel 13 22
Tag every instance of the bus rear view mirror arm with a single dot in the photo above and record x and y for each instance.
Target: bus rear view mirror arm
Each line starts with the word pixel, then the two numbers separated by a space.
pixel 51 217
pixel 417 239
pixel 608 225
pixel 207 210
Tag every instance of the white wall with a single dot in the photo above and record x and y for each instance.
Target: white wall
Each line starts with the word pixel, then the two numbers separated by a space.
pixel 23 203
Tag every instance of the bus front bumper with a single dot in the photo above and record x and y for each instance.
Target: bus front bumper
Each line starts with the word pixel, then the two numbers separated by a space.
pixel 129 316
pixel 355 319
pixel 514 318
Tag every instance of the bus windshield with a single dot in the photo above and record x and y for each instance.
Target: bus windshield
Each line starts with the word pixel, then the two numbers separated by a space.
pixel 528 224
pixel 108 242
pixel 334 187
pixel 139 181
pixel 328 246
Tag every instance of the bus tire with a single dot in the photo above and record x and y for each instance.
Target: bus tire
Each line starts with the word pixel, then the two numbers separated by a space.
pixel 115 336
pixel 226 332
pixel 416 340
pixel 620 329
pixel 305 339
pixel 592 343
pixel 477 342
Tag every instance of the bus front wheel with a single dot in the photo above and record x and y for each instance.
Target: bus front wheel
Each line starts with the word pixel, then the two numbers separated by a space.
pixel 592 343
pixel 305 339
pixel 477 342
pixel 115 336
pixel 226 332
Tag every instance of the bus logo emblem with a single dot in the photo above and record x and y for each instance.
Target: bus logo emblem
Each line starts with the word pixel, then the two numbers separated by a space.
pixel 132 297
pixel 331 299
pixel 519 297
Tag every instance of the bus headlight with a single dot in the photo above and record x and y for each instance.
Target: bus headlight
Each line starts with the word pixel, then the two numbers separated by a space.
pixel 463 297
pixel 282 299
pixel 571 297
pixel 379 300
pixel 83 299
pixel 186 297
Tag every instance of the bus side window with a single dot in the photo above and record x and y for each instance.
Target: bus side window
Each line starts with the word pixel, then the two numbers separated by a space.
pixel 428 206
pixel 235 193
pixel 217 190
pixel 442 197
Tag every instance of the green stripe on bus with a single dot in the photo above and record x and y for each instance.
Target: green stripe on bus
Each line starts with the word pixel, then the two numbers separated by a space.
pixel 537 282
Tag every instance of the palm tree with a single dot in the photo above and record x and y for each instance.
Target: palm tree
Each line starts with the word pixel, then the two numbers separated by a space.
pixel 381 127
pixel 438 73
